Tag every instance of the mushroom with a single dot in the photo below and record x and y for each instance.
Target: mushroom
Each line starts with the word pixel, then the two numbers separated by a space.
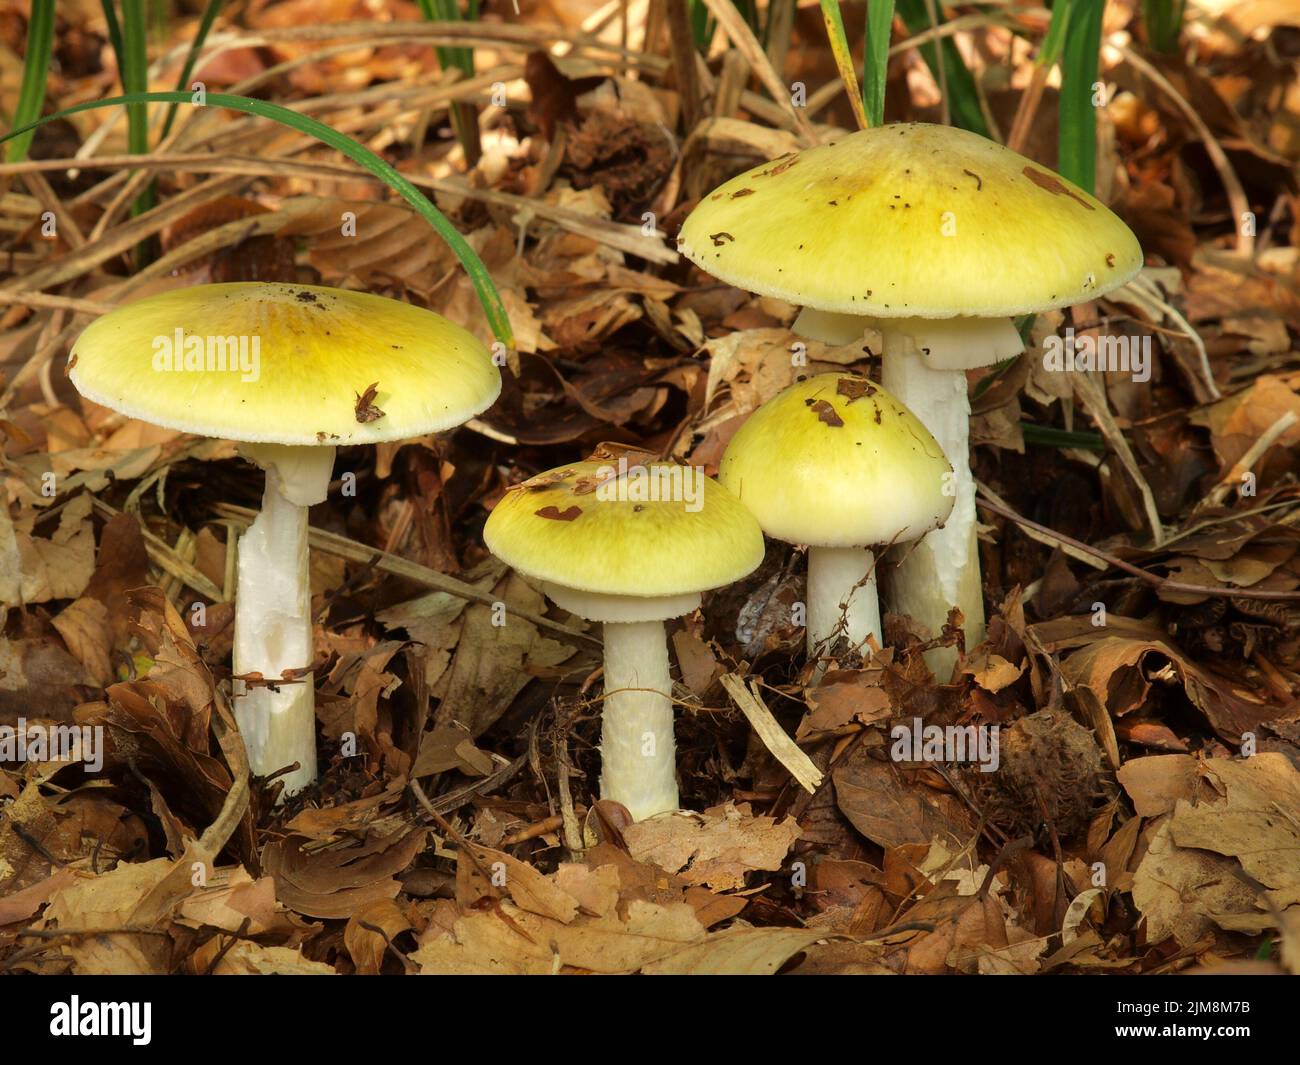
pixel 291 372
pixel 631 547
pixel 938 238
pixel 835 462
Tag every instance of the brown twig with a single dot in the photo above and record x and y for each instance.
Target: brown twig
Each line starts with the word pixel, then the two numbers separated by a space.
pixel 445 804
pixel 225 948
pixel 465 845
pixel 682 44
pixel 1233 478
pixel 343 547
pixel 540 828
pixel 1154 579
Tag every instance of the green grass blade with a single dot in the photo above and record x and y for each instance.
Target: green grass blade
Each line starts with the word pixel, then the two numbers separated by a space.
pixel 1050 436
pixel 1077 139
pixel 191 59
pixel 875 62
pixel 463 114
pixel 358 153
pixel 1164 22
pixel 135 79
pixel 702 25
pixel 31 94
pixel 114 30
pixel 839 42
pixel 460 58
pixel 135 73
pixel 963 97
pixel 1049 52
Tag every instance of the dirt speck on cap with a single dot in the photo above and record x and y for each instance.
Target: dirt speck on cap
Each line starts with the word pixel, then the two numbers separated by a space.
pixel 366 410
pixel 556 514
pixel 827 413
pixel 782 165
pixel 854 388
pixel 1051 183
pixel 720 238
pixel 543 480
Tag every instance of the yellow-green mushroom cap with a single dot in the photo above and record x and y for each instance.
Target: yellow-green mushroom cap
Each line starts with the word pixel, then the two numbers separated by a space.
pixel 836 461
pixel 911 220
pixel 284 364
pixel 586 528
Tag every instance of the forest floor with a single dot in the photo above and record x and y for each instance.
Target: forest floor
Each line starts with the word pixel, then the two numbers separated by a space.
pixel 1146 818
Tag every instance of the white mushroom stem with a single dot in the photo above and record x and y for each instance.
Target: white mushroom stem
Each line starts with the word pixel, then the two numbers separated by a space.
pixel 273 631
pixel 637 756
pixel 924 366
pixel 841 598
pixel 638 763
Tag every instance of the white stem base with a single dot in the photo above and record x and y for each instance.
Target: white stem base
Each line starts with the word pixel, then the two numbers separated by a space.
pixel 942 570
pixel 638 757
pixel 842 598
pixel 273 631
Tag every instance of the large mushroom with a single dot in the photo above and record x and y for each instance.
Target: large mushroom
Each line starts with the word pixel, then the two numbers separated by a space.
pixel 938 238
pixel 837 463
pixel 292 372
pixel 630 547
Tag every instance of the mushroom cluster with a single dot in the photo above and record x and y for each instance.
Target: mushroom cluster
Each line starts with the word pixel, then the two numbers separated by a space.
pixel 938 238
pixel 932 235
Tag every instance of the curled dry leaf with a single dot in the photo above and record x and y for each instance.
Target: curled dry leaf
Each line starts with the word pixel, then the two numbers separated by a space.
pixel 59 567
pixel 1183 892
pixel 605 935
pixel 717 848
pixel 1118 669
pixel 113 900
pixel 885 805
pixel 370 931
pixel 1156 783
pixel 336 882
pixel 244 958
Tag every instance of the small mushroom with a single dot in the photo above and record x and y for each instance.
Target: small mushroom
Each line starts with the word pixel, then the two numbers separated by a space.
pixel 282 369
pixel 941 280
pixel 632 557
pixel 837 463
